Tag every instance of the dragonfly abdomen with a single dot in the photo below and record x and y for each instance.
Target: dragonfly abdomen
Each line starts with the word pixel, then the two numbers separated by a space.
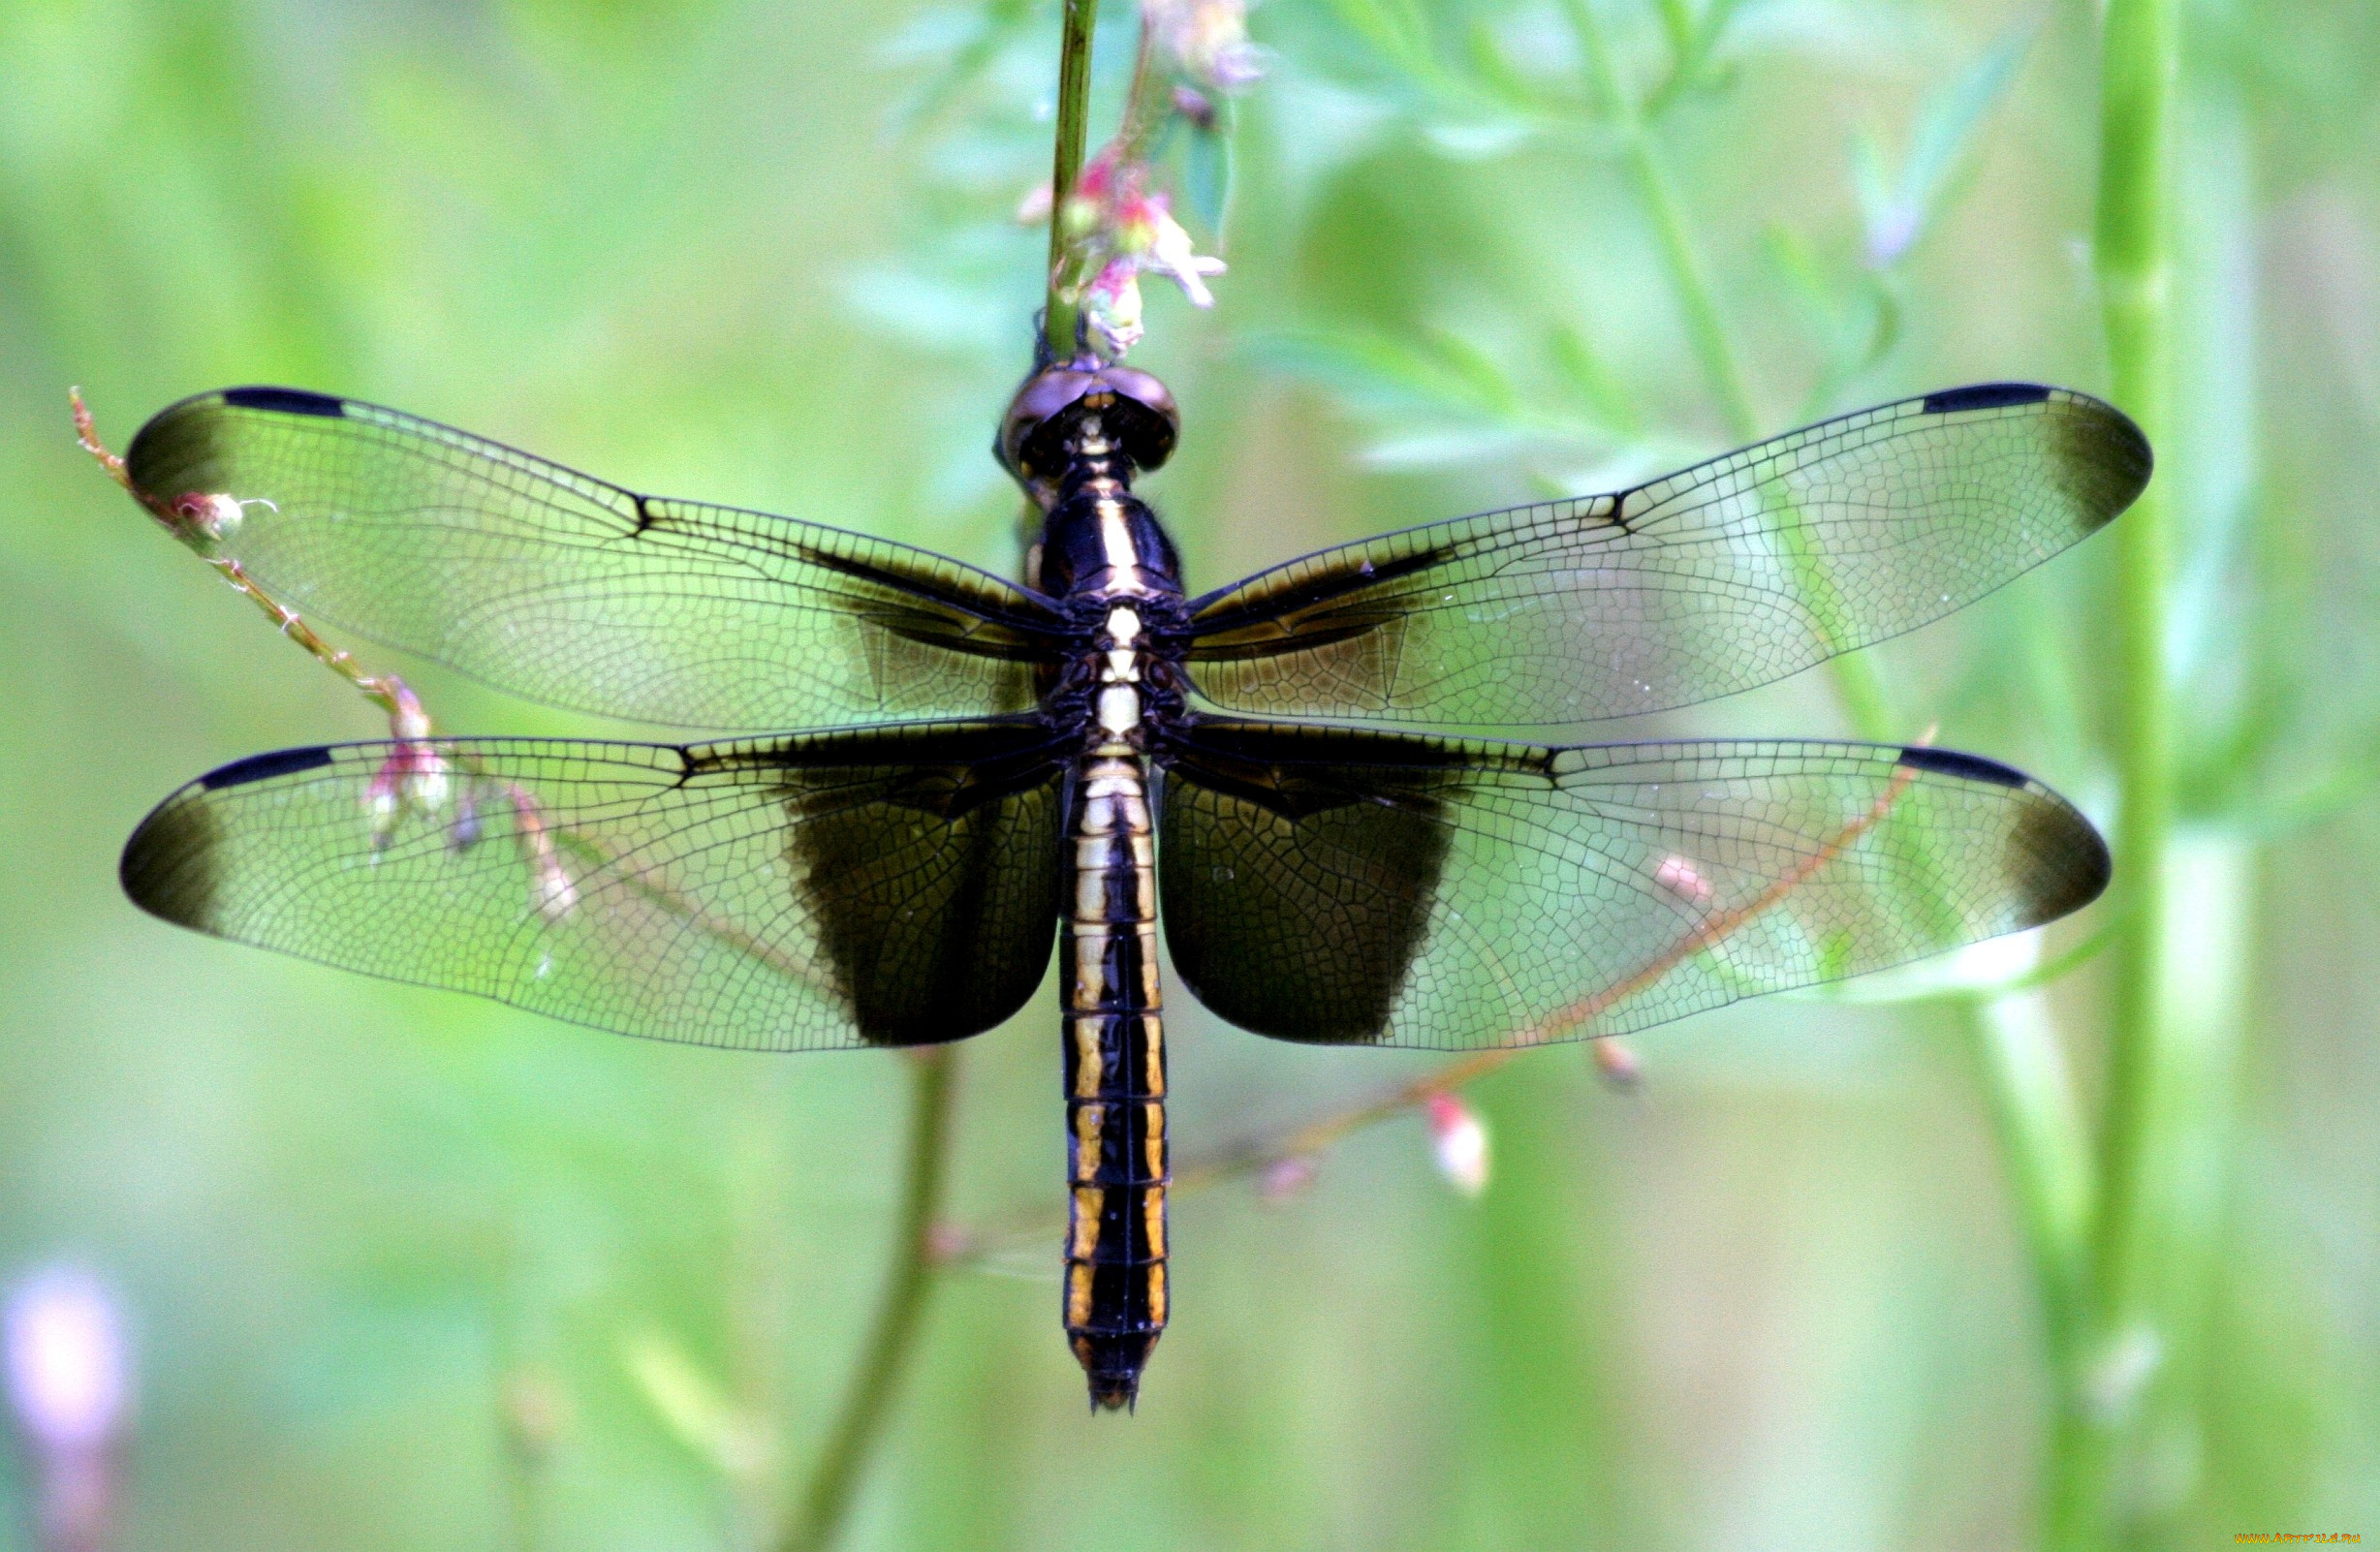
pixel 1116 1168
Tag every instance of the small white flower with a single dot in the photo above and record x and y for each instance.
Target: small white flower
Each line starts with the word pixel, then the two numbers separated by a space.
pixel 1171 253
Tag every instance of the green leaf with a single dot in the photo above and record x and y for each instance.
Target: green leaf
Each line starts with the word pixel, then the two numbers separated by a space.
pixel 693 1405
pixel 1938 150
pixel 1384 372
pixel 1206 171
pixel 1493 72
pixel 1585 372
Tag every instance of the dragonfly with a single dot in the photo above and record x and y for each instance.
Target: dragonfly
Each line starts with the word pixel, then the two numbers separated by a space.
pixel 1351 788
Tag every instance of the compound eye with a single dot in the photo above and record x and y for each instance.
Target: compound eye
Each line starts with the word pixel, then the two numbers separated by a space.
pixel 1135 409
pixel 1145 421
pixel 1045 396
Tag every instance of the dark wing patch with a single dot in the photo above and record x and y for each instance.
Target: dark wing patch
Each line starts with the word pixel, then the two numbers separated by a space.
pixel 873 887
pixel 542 581
pixel 1295 899
pixel 1726 576
pixel 1335 885
pixel 2057 864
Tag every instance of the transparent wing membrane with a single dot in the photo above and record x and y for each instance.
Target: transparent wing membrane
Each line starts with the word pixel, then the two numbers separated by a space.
pixel 1729 574
pixel 571 590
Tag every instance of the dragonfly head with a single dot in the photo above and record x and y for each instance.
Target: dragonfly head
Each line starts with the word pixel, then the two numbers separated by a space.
pixel 1045 421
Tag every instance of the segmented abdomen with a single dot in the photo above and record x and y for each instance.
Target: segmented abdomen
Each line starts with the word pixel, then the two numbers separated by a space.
pixel 1116 1283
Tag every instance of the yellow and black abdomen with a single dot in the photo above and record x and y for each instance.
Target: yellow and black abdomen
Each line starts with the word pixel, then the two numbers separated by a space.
pixel 1116 1170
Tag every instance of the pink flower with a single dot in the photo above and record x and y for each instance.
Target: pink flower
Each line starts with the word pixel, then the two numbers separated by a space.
pixel 1118 231
pixel 1112 306
pixel 70 1384
pixel 413 778
pixel 1616 1062
pixel 1286 1177
pixel 1683 879
pixel 553 894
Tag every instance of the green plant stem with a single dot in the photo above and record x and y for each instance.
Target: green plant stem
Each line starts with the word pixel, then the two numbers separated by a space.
pixel 2039 1124
pixel 2133 275
pixel 834 1479
pixel 1062 316
pixel 2139 65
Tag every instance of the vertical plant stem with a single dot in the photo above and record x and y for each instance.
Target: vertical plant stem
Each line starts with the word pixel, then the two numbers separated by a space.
pixel 2139 66
pixel 2041 1134
pixel 1061 315
pixel 2133 277
pixel 834 1479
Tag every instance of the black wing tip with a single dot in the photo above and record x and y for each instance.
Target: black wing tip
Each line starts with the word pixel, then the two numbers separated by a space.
pixel 2063 862
pixel 170 866
pixel 1959 764
pixel 264 768
pixel 2057 860
pixel 2111 459
pixel 285 401
pixel 1985 396
pixel 183 445
pixel 2107 457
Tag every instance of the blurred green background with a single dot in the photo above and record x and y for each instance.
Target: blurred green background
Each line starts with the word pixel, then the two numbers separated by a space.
pixel 406 1270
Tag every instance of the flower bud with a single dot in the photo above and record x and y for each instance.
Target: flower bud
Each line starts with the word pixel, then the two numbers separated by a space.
pixel 553 894
pixel 1459 1139
pixel 1616 1063
pixel 1290 1175
pixel 1207 41
pixel 1112 307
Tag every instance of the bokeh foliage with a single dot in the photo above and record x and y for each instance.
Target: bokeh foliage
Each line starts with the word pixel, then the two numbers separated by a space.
pixel 410 1272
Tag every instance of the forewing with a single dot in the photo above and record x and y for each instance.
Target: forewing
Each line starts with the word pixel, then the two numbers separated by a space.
pixel 571 590
pixel 883 887
pixel 1727 575
pixel 1334 885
